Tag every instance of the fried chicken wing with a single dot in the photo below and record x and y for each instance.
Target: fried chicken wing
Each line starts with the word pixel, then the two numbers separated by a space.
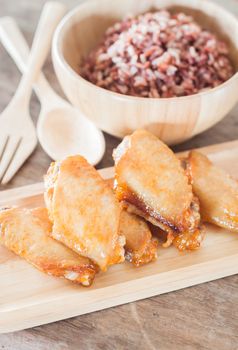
pixel 26 233
pixel 189 240
pixel 150 182
pixel 216 190
pixel 140 247
pixel 84 211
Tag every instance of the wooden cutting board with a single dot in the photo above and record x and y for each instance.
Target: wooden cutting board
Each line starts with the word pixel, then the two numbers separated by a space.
pixel 30 298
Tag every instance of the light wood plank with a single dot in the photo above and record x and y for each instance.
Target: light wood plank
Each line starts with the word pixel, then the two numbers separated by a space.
pixel 48 299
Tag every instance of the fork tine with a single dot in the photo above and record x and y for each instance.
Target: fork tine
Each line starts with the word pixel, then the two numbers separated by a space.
pixel 8 154
pixel 3 147
pixel 21 154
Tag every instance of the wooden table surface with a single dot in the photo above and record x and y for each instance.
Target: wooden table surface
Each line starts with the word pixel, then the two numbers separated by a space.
pixel 200 317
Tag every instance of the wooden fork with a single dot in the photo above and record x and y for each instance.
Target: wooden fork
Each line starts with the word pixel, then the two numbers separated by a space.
pixel 17 133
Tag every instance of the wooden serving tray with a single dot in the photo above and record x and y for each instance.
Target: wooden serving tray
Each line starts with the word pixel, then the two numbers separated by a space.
pixel 30 298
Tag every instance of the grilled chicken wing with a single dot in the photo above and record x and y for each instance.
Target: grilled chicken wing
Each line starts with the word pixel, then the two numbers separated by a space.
pixel 150 182
pixel 84 211
pixel 26 233
pixel 216 190
pixel 140 247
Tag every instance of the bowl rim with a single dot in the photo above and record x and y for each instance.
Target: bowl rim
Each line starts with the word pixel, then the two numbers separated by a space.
pixel 57 54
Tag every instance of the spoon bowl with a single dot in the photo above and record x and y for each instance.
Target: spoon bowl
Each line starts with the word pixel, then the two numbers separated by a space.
pixel 61 129
pixel 65 131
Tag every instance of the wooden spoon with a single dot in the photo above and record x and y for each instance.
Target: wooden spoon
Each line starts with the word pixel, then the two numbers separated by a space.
pixel 62 130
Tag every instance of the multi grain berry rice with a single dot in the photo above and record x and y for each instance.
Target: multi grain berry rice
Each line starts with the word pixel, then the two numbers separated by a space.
pixel 158 55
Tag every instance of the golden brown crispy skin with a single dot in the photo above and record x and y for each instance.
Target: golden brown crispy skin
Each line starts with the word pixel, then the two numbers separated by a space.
pixel 140 247
pixel 150 182
pixel 26 233
pixel 216 190
pixel 190 240
pixel 84 211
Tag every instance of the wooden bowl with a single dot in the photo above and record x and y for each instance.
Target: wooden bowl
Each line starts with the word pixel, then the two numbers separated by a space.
pixel 172 119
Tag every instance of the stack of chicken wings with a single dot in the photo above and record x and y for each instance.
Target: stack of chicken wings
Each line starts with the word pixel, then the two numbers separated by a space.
pixel 90 223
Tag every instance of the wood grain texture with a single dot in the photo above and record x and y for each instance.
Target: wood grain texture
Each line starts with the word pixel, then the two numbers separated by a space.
pixel 50 299
pixel 173 120
pixel 201 317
